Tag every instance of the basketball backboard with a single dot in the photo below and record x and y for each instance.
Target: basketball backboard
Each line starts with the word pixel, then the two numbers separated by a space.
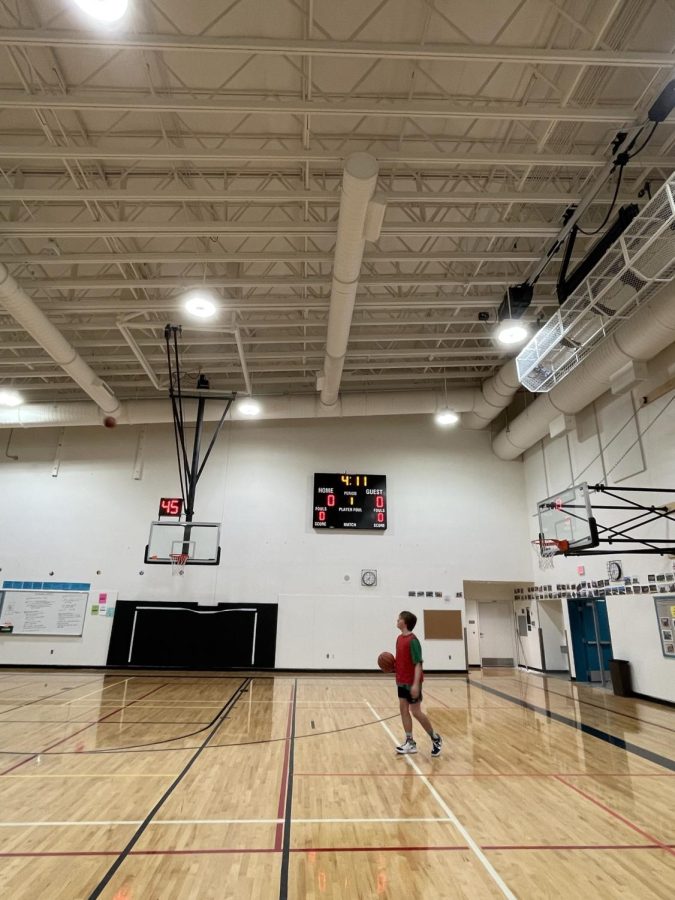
pixel 568 516
pixel 200 540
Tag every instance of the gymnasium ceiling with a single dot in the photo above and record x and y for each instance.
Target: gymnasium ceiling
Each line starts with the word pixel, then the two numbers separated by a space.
pixel 203 143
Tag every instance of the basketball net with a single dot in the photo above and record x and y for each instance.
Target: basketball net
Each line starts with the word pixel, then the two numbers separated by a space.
pixel 546 551
pixel 178 561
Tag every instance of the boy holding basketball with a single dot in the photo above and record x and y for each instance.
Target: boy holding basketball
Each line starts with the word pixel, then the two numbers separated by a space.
pixel 409 677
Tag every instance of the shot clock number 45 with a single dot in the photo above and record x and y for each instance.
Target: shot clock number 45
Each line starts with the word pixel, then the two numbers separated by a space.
pixel 350 501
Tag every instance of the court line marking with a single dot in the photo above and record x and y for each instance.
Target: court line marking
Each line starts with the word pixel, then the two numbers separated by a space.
pixel 488 774
pixel 98 690
pixel 473 846
pixel 63 740
pixel 616 815
pixel 396 848
pixel 105 880
pixel 611 739
pixel 109 822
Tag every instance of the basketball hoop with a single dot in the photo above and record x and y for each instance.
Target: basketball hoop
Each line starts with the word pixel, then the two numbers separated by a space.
pixel 178 562
pixel 546 550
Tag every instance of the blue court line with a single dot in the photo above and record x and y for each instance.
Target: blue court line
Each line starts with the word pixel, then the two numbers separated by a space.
pixel 649 755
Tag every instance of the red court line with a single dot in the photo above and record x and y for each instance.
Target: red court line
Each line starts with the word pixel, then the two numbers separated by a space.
pixel 483 775
pixel 420 848
pixel 49 696
pixel 281 808
pixel 75 733
pixel 612 812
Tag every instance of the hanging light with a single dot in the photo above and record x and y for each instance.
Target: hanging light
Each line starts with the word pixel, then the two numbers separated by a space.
pixel 104 10
pixel 447 417
pixel 512 331
pixel 249 408
pixel 10 398
pixel 200 304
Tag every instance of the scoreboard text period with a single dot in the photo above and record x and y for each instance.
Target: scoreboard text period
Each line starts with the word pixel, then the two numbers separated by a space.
pixel 349 501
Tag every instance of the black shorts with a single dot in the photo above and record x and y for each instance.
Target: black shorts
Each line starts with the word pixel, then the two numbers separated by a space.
pixel 404 694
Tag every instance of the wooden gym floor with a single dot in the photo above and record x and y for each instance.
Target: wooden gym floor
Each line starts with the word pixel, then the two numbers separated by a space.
pixel 131 785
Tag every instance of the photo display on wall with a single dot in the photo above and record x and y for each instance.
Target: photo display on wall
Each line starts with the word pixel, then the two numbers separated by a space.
pixel 351 501
pixel 665 614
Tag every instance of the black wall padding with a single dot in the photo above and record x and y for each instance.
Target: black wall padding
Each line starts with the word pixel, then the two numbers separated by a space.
pixel 189 636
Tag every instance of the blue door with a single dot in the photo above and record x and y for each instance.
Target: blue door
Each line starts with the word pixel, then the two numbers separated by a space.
pixel 591 639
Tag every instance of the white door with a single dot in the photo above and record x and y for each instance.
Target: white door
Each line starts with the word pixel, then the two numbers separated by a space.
pixel 497 646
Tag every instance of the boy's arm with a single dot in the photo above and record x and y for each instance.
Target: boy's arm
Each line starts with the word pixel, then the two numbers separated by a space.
pixel 415 689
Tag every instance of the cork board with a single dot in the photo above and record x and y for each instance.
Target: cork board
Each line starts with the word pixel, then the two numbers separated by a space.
pixel 443 625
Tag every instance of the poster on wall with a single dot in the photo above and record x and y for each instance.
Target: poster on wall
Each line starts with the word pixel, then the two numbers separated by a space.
pixel 43 612
pixel 665 615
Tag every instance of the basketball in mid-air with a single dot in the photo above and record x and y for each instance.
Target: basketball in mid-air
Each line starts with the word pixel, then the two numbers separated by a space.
pixel 110 421
pixel 386 662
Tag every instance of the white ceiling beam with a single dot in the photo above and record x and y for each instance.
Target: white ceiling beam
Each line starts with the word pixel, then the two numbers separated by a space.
pixel 87 39
pixel 340 106
pixel 296 256
pixel 255 281
pixel 113 229
pixel 473 156
pixel 279 198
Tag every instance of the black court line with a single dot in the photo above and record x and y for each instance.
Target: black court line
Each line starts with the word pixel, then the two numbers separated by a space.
pixel 649 755
pixel 286 850
pixel 225 709
pixel 607 709
pixel 49 696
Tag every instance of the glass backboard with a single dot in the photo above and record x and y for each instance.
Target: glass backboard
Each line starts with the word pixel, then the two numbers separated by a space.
pixel 568 516
pixel 200 540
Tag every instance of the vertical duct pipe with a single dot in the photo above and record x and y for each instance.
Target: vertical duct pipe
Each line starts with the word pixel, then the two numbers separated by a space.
pixel 358 186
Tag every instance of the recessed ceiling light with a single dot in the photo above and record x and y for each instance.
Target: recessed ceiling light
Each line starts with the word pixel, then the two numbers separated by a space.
pixel 447 417
pixel 200 304
pixel 10 398
pixel 104 10
pixel 249 408
pixel 511 331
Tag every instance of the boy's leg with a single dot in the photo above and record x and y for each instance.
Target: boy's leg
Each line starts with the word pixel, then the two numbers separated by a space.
pixel 436 740
pixel 408 745
pixel 406 718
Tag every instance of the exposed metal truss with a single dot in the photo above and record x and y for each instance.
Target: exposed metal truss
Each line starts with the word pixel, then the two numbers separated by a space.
pixel 203 144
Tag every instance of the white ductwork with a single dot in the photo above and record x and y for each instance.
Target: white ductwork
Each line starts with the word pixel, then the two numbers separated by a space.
pixel 493 396
pixel 358 185
pixel 647 333
pixel 306 406
pixel 31 318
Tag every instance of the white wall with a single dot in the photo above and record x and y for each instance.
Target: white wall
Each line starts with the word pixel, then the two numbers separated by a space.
pixel 617 440
pixel 446 491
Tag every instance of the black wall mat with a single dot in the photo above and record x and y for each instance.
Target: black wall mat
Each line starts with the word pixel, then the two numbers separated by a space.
pixel 190 636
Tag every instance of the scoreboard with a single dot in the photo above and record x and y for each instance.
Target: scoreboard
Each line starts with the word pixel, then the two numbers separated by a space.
pixel 350 501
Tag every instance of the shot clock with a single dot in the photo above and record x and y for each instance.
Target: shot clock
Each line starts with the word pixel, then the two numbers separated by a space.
pixel 170 507
pixel 350 501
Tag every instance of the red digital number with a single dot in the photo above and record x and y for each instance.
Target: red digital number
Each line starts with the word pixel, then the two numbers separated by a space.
pixel 380 517
pixel 330 500
pixel 170 506
pixel 322 515
pixel 379 502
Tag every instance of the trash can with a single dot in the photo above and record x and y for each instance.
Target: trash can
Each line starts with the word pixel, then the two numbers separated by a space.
pixel 619 669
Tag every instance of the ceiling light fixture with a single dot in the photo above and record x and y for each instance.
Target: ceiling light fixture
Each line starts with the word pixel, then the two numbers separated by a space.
pixel 511 331
pixel 447 417
pixel 104 10
pixel 10 398
pixel 249 408
pixel 200 304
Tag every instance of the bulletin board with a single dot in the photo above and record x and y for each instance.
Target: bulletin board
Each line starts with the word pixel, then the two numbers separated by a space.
pixel 665 614
pixel 443 625
pixel 43 612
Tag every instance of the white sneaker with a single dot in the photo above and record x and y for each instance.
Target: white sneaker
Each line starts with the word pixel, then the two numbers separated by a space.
pixel 409 746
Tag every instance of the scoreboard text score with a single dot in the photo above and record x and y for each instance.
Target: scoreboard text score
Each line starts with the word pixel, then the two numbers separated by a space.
pixel 350 501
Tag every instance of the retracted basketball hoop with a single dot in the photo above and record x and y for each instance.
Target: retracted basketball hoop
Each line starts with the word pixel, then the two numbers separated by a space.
pixel 178 562
pixel 546 549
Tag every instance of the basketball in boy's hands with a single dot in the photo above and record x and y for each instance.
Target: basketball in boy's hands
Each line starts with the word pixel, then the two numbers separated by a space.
pixel 386 662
